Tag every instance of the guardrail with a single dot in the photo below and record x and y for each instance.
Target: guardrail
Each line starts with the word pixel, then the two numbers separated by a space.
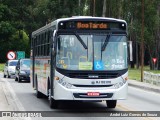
pixel 151 78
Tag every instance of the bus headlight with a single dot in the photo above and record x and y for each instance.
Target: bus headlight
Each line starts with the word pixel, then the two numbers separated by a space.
pixel 121 83
pixel 64 83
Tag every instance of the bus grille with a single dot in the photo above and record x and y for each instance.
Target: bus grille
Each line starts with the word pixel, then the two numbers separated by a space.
pixel 92 85
pixel 93 75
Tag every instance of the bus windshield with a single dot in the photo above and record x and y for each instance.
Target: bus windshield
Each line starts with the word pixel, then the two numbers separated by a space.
pixel 103 52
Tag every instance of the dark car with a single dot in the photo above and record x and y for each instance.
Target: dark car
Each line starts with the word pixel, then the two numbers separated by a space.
pixel 23 70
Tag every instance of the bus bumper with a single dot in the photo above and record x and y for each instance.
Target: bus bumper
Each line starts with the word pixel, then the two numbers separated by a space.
pixel 104 93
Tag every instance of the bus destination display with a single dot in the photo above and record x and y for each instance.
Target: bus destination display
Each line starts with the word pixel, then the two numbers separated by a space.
pixel 92 25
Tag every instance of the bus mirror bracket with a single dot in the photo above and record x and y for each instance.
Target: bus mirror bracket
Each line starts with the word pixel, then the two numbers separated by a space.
pixel 53 40
pixel 54 35
pixel 53 52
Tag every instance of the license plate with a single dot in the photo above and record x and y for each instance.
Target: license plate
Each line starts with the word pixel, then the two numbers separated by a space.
pixel 93 94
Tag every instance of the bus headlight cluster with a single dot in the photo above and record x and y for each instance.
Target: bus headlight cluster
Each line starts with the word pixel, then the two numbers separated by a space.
pixel 64 83
pixel 118 85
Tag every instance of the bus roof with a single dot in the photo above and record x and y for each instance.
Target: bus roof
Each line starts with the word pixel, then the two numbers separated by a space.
pixel 55 22
pixel 90 17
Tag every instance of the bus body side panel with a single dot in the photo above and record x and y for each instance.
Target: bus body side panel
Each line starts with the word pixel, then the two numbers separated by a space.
pixel 32 69
pixel 42 71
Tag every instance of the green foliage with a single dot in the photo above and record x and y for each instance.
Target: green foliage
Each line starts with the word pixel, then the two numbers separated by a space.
pixel 134 74
pixel 3 11
pixel 2 66
pixel 21 39
pixel 19 18
pixel 66 8
pixel 6 30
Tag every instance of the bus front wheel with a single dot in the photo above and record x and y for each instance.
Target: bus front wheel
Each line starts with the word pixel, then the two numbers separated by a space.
pixel 38 94
pixel 19 80
pixel 111 103
pixel 16 79
pixel 53 103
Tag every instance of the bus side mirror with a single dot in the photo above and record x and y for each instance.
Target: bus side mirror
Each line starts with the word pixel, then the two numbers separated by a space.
pixel 130 51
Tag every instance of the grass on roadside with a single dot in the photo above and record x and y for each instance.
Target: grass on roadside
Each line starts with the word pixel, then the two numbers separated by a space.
pixel 1 67
pixel 135 74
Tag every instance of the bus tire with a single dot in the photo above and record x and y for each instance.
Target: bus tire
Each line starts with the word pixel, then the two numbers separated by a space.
pixel 19 80
pixel 53 103
pixel 4 76
pixel 39 94
pixel 8 75
pixel 16 79
pixel 111 103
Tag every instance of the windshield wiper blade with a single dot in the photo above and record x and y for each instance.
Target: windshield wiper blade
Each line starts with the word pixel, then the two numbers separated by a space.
pixel 81 41
pixel 105 43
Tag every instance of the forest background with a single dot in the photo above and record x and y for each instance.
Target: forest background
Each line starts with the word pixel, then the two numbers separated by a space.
pixel 19 18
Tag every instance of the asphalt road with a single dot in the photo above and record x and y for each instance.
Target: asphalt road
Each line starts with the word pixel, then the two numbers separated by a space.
pixel 24 99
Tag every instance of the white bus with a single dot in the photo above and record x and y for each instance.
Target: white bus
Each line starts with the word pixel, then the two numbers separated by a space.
pixel 80 59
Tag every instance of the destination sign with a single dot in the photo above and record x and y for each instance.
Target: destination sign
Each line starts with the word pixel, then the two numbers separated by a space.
pixel 92 25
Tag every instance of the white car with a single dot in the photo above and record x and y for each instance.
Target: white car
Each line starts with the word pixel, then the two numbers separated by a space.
pixel 9 68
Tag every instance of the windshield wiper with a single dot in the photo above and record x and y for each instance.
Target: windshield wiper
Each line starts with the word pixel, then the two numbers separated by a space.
pixel 105 43
pixel 81 41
